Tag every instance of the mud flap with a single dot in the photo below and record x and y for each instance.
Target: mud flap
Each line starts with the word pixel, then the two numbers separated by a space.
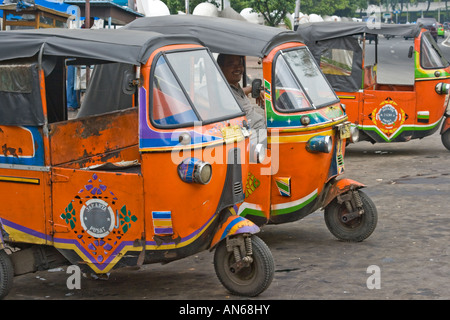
pixel 3 236
pixel 338 187
pixel 234 225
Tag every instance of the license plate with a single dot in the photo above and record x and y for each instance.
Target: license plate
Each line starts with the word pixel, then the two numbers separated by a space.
pixel 344 131
pixel 232 134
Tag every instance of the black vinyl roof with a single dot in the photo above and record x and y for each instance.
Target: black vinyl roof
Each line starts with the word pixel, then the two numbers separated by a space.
pixel 317 31
pixel 221 35
pixel 114 45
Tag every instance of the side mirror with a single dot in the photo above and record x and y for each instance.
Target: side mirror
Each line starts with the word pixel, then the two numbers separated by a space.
pixel 410 52
pixel 128 82
pixel 256 88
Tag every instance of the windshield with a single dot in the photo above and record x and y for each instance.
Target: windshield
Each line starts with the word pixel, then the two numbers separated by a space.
pixel 431 54
pixel 188 87
pixel 299 83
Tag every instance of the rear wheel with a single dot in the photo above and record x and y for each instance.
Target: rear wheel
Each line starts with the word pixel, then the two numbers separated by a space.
pixel 250 280
pixel 6 274
pixel 445 138
pixel 357 229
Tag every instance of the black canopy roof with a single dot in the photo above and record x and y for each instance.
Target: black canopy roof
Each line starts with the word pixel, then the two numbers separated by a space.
pixel 127 46
pixel 317 31
pixel 20 97
pixel 220 34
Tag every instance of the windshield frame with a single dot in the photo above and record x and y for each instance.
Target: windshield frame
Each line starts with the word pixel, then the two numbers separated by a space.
pixel 200 121
pixel 428 35
pixel 299 83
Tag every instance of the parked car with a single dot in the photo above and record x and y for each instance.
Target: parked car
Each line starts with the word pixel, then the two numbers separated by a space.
pixel 430 24
pixel 440 30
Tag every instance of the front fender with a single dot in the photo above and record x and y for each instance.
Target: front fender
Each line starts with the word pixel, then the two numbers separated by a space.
pixel 445 125
pixel 234 225
pixel 337 187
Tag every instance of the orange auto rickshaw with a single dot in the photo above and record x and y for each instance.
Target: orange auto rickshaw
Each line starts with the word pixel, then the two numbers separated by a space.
pixel 125 181
pixel 384 111
pixel 306 128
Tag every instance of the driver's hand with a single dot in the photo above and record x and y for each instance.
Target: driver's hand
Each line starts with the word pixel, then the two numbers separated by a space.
pixel 260 99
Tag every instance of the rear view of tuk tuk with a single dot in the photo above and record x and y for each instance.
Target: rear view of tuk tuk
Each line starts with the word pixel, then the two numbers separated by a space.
pixel 384 111
pixel 150 170
pixel 306 128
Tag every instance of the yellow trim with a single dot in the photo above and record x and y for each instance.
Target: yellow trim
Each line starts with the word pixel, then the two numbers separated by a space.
pixel 188 147
pixel 432 78
pixel 311 128
pixel 15 235
pixel 299 138
pixel 162 223
pixel 87 261
pixel 20 180
pixel 346 97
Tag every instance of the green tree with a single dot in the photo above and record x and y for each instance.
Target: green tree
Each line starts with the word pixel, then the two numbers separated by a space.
pixel 180 5
pixel 324 7
pixel 239 5
pixel 273 11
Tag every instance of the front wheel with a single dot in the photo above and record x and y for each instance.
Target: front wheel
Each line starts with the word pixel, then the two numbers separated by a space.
pixel 250 280
pixel 357 229
pixel 6 274
pixel 445 138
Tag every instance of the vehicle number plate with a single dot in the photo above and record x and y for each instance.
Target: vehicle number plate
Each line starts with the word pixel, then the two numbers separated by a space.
pixel 345 131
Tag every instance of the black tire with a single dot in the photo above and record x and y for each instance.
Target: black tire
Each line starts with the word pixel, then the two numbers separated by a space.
pixel 6 274
pixel 445 138
pixel 355 230
pixel 250 281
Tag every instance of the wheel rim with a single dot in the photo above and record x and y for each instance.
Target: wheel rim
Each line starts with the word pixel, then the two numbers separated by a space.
pixel 352 224
pixel 242 277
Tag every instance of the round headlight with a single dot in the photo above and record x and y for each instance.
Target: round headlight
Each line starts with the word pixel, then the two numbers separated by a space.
pixel 258 153
pixel 320 144
pixel 442 88
pixel 354 134
pixel 202 173
pixel 195 170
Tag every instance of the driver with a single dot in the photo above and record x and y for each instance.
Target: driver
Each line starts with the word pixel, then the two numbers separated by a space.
pixel 233 68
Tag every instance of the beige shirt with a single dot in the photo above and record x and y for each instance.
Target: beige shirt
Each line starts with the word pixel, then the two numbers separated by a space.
pixel 255 114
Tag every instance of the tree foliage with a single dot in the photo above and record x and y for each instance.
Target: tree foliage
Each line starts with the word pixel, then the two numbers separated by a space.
pixel 273 11
pixel 180 5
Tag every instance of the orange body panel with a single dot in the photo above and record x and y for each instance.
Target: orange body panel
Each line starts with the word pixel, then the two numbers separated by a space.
pixel 104 136
pixel 166 192
pixel 353 105
pixel 16 141
pixel 76 196
pixel 26 203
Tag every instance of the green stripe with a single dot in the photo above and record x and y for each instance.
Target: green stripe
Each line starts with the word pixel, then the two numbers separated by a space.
pixel 252 212
pixel 403 128
pixel 283 186
pixel 293 208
